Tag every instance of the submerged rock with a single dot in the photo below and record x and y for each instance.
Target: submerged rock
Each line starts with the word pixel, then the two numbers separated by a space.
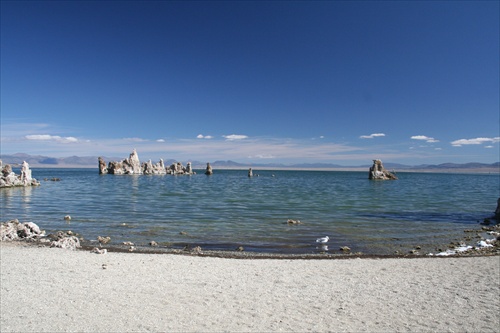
pixel 497 211
pixel 377 171
pixel 345 249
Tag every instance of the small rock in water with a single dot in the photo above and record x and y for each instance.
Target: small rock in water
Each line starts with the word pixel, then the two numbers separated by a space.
pixel 153 243
pixel 197 250
pixel 104 240
pixel 67 218
pixel 183 233
pixel 290 221
pixel 486 222
pixel 345 249
pixel 240 248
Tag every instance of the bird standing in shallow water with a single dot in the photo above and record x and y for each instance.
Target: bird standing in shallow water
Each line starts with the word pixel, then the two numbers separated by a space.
pixel 323 239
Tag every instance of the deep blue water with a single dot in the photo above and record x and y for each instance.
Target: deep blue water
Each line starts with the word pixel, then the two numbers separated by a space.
pixel 228 209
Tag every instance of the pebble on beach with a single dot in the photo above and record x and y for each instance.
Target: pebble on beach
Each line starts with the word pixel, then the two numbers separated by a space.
pixel 98 251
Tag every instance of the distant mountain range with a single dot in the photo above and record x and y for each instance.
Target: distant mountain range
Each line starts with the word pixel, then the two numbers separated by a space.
pixel 91 161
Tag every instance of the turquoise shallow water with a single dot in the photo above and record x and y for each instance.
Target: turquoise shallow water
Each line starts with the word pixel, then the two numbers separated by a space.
pixel 228 209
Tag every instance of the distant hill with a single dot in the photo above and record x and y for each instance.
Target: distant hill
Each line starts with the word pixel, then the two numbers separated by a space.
pixel 47 161
pixel 463 166
pixel 91 161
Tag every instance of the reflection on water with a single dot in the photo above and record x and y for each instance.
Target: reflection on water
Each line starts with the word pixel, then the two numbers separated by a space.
pixel 16 199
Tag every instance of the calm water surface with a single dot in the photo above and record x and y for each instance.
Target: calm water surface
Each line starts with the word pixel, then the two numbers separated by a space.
pixel 228 209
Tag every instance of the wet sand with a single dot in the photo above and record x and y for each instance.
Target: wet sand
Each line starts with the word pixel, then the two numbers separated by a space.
pixel 55 290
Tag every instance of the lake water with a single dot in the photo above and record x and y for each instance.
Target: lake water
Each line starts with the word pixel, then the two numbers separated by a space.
pixel 228 209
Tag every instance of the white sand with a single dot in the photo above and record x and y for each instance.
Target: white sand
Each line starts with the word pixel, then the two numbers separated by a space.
pixel 56 290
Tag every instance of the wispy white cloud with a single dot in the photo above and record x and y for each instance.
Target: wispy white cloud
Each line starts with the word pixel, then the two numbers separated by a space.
pixel 235 137
pixel 135 139
pixel 55 141
pixel 371 136
pixel 260 156
pixel 476 141
pixel 424 138
pixel 47 137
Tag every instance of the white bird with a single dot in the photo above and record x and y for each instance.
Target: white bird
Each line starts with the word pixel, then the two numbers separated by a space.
pixel 323 239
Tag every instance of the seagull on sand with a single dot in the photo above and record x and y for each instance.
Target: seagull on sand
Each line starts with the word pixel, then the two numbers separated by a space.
pixel 323 239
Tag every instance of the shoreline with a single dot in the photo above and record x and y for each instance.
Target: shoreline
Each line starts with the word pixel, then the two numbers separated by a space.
pixel 482 240
pixel 79 291
pixel 132 249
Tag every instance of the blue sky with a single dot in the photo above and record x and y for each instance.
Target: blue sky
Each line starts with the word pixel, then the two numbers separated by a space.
pixel 339 82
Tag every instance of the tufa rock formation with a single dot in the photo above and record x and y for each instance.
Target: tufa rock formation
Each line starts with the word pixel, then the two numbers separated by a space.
pixel 149 168
pixel 103 169
pixel 179 169
pixel 14 230
pixel 377 171
pixel 9 179
pixel 133 166
pixel 129 166
pixel 209 170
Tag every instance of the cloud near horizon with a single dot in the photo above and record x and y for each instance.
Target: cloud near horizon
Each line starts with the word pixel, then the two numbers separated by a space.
pixel 476 141
pixel 36 140
pixel 371 136
pixel 235 137
pixel 424 138
pixel 201 136
pixel 47 137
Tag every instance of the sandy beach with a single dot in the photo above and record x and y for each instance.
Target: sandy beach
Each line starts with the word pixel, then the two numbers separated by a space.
pixel 55 290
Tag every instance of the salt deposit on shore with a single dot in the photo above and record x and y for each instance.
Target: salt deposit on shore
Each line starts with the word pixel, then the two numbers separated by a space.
pixel 55 290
